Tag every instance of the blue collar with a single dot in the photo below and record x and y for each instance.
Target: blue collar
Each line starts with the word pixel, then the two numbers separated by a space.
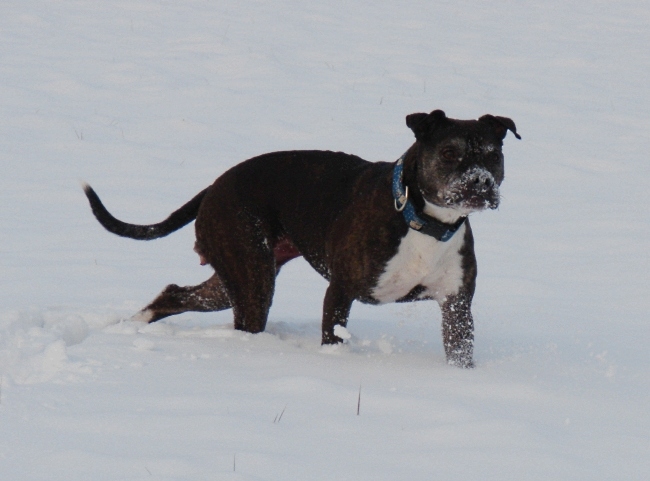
pixel 420 222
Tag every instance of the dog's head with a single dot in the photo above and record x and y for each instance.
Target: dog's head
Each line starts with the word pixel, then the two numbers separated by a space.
pixel 459 163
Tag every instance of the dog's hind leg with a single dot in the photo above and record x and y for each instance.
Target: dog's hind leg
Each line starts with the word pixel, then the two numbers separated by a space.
pixel 249 277
pixel 206 297
pixel 237 238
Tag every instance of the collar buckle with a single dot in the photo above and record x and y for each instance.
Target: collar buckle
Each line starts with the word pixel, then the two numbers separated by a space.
pixel 402 200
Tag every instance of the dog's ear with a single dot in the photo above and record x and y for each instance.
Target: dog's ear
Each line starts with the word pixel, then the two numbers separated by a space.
pixel 424 124
pixel 501 125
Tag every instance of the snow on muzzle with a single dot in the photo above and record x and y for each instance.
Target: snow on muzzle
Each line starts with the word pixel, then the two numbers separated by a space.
pixel 475 189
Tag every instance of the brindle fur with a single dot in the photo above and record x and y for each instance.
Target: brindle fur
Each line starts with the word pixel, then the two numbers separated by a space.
pixel 334 209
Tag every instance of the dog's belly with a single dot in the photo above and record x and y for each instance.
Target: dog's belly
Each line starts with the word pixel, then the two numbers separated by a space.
pixel 434 267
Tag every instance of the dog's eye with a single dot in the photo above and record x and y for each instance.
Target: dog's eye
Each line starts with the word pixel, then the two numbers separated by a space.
pixel 449 155
pixel 494 156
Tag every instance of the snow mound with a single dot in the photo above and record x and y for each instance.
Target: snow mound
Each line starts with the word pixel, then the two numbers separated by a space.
pixel 33 346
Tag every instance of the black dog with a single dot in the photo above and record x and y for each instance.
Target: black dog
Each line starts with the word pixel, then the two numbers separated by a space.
pixel 378 232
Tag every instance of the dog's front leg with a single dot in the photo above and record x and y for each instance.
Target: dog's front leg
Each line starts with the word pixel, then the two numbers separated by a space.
pixel 458 329
pixel 336 309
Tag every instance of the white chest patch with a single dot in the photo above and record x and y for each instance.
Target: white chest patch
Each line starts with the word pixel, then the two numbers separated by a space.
pixel 422 260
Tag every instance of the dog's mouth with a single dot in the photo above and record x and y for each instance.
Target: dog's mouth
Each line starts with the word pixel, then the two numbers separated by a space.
pixel 473 203
pixel 475 190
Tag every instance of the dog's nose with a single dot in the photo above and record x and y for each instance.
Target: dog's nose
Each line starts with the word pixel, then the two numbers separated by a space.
pixel 481 180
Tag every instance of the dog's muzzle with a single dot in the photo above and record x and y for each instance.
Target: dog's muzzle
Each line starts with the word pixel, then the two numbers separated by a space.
pixel 476 189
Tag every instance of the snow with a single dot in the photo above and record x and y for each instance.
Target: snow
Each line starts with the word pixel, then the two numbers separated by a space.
pixel 149 101
pixel 342 332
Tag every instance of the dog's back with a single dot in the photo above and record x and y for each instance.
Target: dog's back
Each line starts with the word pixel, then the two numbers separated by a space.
pixel 299 194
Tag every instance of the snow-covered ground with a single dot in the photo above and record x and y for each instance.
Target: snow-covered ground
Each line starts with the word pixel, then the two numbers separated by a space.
pixel 149 101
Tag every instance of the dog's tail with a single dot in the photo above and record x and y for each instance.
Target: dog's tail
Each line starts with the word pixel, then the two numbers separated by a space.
pixel 177 219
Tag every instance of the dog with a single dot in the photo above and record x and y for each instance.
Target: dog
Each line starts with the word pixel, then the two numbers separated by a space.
pixel 377 231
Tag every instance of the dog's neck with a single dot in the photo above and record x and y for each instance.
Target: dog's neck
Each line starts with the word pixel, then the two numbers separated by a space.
pixel 430 223
pixel 446 215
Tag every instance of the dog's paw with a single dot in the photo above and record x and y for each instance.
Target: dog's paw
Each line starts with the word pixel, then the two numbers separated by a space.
pixel 338 335
pixel 144 315
pixel 464 362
